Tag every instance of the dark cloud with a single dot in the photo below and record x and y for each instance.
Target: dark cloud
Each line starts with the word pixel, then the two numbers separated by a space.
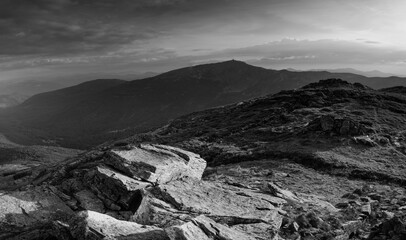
pixel 158 35
pixel 50 27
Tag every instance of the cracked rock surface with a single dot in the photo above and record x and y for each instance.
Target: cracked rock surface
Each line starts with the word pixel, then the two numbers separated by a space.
pixel 136 192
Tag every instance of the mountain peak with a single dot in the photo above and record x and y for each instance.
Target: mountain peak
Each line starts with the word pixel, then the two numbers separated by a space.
pixel 229 63
pixel 335 83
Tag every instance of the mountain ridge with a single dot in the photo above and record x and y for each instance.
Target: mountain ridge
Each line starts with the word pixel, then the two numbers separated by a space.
pixel 137 106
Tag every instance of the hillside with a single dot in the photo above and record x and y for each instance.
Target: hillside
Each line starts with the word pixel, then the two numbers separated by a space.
pixel 90 113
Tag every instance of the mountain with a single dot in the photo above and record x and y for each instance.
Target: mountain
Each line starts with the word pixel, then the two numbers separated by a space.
pixel 324 161
pixel 88 114
pixel 14 92
pixel 372 73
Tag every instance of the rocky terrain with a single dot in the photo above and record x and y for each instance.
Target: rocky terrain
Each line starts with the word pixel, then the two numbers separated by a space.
pixel 136 192
pixel 326 161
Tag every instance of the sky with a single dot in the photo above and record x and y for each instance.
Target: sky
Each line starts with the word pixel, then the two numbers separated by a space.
pixel 59 39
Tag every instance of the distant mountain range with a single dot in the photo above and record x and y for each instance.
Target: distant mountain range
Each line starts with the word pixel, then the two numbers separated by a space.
pixel 92 112
pixel 13 93
pixel 373 73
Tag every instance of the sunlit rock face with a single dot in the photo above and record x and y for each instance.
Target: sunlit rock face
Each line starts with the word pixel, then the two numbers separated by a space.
pixel 157 163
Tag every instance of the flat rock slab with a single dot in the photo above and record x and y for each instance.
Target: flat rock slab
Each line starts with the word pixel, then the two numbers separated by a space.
pixel 216 201
pixel 203 228
pixel 89 225
pixel 157 163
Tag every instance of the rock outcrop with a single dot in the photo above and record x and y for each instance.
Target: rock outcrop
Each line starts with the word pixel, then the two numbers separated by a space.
pixel 137 192
pixel 157 163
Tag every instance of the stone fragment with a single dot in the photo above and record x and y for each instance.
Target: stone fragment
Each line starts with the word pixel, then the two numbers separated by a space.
pixel 293 227
pixel 366 209
pixel 350 196
pixel 388 215
pixel 277 191
pixel 365 140
pixel 89 225
pixel 365 199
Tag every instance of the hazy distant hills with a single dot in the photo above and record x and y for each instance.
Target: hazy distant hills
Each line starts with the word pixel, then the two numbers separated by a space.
pixel 14 92
pixel 373 73
pixel 92 112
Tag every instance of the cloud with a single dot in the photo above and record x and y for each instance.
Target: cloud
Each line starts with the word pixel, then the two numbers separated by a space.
pixel 52 27
pixel 159 35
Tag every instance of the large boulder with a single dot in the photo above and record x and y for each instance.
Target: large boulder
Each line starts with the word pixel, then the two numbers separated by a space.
pixel 89 225
pixel 223 203
pixel 157 163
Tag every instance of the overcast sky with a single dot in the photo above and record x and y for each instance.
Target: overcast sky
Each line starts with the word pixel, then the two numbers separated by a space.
pixel 51 38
